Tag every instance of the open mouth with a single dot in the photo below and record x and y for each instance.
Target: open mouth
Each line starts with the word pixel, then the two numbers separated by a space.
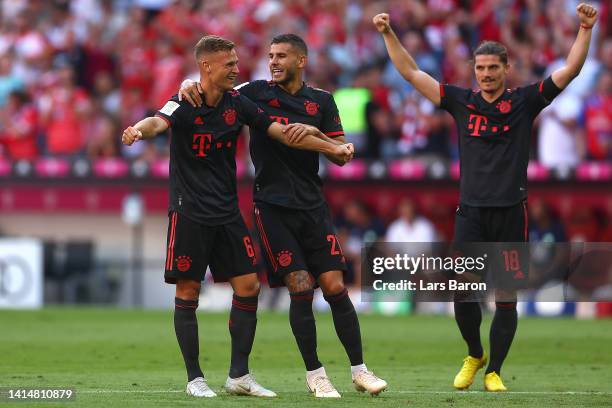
pixel 277 72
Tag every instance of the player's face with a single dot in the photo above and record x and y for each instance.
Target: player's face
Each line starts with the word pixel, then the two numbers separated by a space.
pixel 222 68
pixel 490 73
pixel 285 62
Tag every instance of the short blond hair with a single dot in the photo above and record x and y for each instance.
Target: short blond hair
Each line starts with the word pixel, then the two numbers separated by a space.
pixel 212 43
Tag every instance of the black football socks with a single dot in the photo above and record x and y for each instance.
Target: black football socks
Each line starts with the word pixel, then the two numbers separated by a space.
pixel 347 325
pixel 303 327
pixel 186 328
pixel 242 325
pixel 502 333
pixel 468 317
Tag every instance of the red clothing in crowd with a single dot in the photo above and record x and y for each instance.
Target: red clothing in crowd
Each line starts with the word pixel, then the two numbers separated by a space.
pixel 64 121
pixel 598 126
pixel 19 135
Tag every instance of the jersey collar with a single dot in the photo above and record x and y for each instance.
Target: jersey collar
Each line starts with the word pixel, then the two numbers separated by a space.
pixel 493 103
pixel 300 91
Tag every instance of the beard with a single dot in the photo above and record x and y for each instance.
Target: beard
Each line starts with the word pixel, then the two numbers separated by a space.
pixel 290 76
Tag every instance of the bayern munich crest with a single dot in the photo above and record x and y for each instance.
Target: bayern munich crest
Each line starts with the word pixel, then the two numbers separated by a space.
pixel 183 263
pixel 311 107
pixel 230 117
pixel 504 106
pixel 284 258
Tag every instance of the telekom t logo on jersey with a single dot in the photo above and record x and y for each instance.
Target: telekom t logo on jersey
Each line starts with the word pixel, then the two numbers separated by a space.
pixel 478 123
pixel 202 143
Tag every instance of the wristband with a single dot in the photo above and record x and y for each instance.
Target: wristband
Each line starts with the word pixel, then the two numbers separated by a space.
pixel 587 27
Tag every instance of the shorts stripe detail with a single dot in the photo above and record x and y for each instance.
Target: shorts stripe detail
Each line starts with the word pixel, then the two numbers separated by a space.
pixel 170 254
pixel 249 307
pixel 264 238
pixel 541 86
pixel 526 222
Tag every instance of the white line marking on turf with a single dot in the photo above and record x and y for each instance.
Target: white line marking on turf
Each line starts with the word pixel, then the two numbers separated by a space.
pixel 506 392
pixel 386 392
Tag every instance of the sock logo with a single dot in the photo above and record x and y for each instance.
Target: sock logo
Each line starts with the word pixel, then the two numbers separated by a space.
pixel 284 258
pixel 183 263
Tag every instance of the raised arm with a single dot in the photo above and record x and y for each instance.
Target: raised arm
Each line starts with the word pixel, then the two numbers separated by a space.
pixel 404 63
pixel 578 53
pixel 145 129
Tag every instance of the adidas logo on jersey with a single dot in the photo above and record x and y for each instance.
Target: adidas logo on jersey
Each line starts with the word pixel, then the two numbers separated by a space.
pixel 275 103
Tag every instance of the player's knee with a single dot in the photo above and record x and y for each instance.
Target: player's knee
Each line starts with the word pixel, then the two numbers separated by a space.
pixel 332 288
pixel 299 281
pixel 505 296
pixel 188 289
pixel 246 285
pixel 331 283
pixel 250 288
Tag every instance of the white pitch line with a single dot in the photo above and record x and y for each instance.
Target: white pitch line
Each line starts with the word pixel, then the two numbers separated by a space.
pixel 458 393
pixel 506 392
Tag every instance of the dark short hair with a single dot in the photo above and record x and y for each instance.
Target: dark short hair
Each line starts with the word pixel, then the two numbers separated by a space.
pixel 212 43
pixel 492 48
pixel 293 39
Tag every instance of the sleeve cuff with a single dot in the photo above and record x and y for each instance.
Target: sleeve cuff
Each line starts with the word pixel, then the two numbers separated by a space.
pixel 157 115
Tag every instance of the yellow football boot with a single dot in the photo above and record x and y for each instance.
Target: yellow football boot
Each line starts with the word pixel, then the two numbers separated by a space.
pixel 493 383
pixel 465 376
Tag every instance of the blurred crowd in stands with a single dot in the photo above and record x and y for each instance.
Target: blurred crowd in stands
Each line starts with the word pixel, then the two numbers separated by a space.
pixel 74 73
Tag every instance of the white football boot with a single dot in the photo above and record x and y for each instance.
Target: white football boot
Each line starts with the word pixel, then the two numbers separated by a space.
pixel 365 380
pixel 246 385
pixel 322 387
pixel 198 388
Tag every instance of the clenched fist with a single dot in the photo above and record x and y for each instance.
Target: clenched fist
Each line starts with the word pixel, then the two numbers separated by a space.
pixel 344 153
pixel 381 21
pixel 587 14
pixel 130 135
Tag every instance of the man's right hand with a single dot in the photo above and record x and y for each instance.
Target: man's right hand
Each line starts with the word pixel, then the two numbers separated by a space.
pixel 381 21
pixel 191 91
pixel 131 135
pixel 344 153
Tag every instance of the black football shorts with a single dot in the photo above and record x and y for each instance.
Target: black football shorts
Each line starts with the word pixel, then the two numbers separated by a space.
pixel 293 240
pixel 502 234
pixel 192 247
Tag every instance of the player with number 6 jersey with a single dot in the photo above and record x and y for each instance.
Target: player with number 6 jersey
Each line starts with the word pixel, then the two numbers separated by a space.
pixel 205 226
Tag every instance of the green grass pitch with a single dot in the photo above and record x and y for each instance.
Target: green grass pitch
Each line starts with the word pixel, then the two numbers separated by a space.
pixel 130 358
